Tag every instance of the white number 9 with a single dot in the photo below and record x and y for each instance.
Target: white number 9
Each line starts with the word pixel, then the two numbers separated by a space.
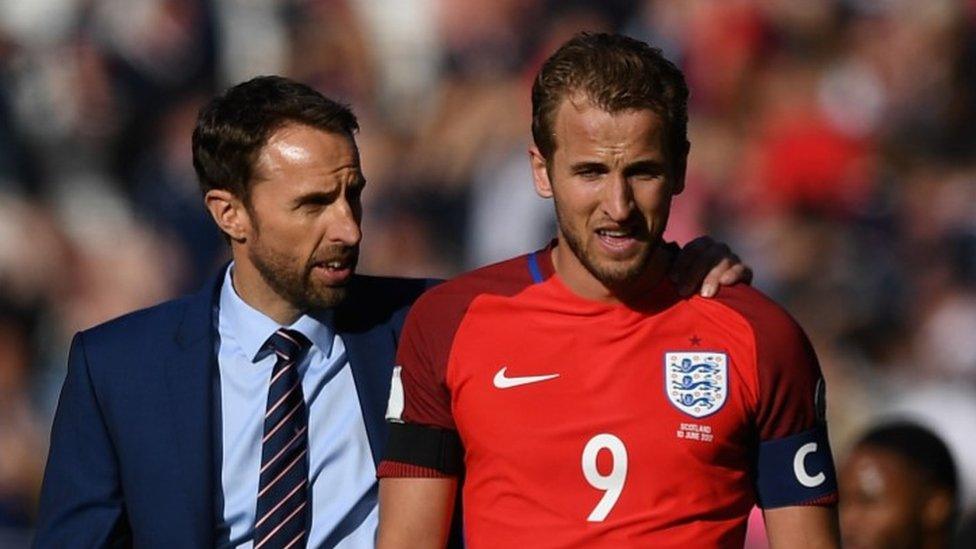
pixel 611 484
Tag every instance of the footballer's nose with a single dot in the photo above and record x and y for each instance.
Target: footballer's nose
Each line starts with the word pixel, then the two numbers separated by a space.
pixel 618 199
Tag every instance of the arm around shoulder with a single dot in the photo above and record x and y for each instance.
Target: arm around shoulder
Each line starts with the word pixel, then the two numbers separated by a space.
pixel 81 501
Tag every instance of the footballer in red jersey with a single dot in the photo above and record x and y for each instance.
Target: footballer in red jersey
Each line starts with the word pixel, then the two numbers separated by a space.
pixel 583 401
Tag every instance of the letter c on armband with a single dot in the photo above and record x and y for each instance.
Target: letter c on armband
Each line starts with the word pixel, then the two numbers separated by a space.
pixel 800 470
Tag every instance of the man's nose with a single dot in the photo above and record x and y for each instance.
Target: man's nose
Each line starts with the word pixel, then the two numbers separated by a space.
pixel 344 226
pixel 618 200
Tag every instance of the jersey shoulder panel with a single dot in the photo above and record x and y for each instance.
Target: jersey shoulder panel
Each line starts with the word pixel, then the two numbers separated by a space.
pixel 787 370
pixel 506 277
pixel 429 333
pixel 793 463
pixel 442 307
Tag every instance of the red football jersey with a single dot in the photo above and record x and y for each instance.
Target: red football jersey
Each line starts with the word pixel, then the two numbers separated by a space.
pixel 586 424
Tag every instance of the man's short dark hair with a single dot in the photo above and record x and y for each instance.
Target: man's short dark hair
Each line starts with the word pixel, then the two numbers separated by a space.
pixel 921 449
pixel 232 129
pixel 614 73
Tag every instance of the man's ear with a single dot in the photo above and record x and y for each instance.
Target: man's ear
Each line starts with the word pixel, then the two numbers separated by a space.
pixel 540 173
pixel 229 213
pixel 937 509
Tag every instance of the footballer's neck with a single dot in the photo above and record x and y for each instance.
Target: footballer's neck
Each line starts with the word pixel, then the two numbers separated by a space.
pixel 581 281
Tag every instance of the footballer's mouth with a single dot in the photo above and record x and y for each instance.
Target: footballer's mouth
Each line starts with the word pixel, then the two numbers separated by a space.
pixel 620 240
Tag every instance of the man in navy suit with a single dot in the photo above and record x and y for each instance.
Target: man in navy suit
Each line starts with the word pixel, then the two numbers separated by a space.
pixel 250 413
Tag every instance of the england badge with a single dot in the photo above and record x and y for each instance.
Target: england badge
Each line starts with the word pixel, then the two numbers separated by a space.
pixel 697 382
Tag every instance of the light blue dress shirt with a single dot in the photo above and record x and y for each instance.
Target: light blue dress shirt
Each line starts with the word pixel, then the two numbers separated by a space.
pixel 341 469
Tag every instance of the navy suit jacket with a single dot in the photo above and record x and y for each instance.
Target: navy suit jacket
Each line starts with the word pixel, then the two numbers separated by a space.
pixel 132 458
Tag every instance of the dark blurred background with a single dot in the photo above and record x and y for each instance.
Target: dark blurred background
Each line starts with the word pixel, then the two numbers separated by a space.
pixel 832 147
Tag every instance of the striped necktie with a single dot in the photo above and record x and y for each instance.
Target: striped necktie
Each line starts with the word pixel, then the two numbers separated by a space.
pixel 282 518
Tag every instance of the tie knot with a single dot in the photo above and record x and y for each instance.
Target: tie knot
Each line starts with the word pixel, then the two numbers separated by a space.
pixel 289 344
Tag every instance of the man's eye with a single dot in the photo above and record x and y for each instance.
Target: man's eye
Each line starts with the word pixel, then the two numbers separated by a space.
pixel 646 176
pixel 312 207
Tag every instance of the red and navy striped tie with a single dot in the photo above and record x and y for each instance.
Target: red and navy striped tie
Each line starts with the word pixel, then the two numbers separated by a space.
pixel 282 518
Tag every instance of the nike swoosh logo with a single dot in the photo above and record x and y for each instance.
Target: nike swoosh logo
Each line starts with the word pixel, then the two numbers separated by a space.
pixel 504 382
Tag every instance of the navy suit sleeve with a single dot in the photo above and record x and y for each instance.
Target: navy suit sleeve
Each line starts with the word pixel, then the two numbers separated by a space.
pixel 81 499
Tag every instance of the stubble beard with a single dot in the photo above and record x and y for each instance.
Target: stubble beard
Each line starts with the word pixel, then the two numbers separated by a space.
pixel 295 284
pixel 612 276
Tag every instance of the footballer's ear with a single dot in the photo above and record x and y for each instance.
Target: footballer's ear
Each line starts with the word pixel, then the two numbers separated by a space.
pixel 679 168
pixel 540 173
pixel 229 213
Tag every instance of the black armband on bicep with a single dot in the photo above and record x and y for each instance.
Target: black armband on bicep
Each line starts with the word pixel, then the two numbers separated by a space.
pixel 425 446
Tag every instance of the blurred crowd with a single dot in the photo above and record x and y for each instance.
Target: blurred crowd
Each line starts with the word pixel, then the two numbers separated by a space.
pixel 833 148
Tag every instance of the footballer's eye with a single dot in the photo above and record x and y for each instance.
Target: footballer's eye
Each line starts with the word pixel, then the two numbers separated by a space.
pixel 645 176
pixel 589 171
pixel 645 171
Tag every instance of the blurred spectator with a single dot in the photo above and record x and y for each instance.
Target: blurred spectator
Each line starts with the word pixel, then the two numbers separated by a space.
pixel 20 436
pixel 898 489
pixel 940 407
pixel 166 194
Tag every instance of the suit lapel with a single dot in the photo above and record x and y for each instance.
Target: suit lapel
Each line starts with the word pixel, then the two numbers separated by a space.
pixel 371 359
pixel 371 347
pixel 189 372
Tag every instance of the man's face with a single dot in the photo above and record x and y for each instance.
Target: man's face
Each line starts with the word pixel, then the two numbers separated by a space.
pixel 611 183
pixel 305 213
pixel 880 501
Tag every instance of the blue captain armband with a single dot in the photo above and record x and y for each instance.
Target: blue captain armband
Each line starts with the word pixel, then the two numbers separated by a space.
pixel 796 470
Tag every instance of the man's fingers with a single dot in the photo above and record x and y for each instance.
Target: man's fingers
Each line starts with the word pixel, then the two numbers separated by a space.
pixel 717 276
pixel 688 256
pixel 704 263
pixel 737 273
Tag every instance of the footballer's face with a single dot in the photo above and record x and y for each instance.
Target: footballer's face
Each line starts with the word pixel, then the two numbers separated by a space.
pixel 880 501
pixel 612 186
pixel 297 242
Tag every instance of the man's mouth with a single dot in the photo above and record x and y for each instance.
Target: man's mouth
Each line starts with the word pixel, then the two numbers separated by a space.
pixel 617 239
pixel 334 271
pixel 336 264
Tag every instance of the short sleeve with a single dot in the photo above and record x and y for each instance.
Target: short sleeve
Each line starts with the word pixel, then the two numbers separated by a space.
pixel 794 464
pixel 419 393
pixel 423 441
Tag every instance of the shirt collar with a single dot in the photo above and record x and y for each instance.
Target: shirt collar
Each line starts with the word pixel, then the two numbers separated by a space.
pixel 252 328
